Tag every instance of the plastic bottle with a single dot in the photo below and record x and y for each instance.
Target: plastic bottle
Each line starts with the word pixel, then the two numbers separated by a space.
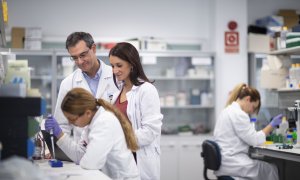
pixel 283 127
pixel 294 134
pixel 289 139
pixel 283 33
pixel 292 76
pixel 297 75
pixel 253 121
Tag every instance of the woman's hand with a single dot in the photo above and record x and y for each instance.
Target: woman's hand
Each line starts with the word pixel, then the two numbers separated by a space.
pixel 51 123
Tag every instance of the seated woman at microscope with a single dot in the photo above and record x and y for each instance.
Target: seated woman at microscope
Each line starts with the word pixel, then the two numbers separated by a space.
pixel 235 134
pixel 107 141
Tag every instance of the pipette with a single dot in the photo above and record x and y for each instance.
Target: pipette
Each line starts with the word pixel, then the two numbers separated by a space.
pixel 52 143
pixel 54 162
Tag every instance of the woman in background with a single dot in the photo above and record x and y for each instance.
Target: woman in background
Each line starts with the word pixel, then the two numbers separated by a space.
pixel 235 134
pixel 138 99
pixel 106 140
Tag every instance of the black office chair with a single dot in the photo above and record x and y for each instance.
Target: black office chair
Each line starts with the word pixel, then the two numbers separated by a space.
pixel 212 158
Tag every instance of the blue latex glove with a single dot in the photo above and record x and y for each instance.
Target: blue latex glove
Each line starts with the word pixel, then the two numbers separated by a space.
pixel 276 120
pixel 51 123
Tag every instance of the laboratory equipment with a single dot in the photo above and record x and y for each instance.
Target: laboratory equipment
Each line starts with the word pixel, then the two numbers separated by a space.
pixel 52 143
pixel 54 162
pixel 59 154
pixel 296 110
pixel 18 129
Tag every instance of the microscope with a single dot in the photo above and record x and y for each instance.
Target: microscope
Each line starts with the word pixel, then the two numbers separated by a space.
pixel 296 120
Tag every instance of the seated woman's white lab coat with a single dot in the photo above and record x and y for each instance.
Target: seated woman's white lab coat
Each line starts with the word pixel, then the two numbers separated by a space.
pixel 102 146
pixel 234 134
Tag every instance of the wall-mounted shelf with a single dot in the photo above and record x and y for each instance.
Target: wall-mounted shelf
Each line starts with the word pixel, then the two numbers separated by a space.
pixel 188 107
pixel 288 90
pixel 287 51
pixel 179 78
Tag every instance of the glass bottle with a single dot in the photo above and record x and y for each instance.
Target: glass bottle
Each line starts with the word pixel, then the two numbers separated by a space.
pixel 38 148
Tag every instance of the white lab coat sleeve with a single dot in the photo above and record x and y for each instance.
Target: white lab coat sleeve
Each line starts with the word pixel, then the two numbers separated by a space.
pixel 151 117
pixel 71 148
pixel 101 140
pixel 244 129
pixel 65 86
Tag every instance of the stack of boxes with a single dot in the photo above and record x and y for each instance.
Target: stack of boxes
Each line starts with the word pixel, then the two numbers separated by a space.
pixel 17 37
pixel 290 17
pixel 276 34
pixel 27 38
pixel 33 38
pixel 292 39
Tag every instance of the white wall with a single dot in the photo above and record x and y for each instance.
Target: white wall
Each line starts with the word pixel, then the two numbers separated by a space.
pixel 230 68
pixel 115 19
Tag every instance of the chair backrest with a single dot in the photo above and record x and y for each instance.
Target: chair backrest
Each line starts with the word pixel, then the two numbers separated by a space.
pixel 211 155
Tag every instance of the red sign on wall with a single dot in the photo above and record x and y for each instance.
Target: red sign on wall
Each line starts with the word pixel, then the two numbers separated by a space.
pixel 231 42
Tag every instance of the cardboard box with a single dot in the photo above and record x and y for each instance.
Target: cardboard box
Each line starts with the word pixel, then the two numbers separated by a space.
pixel 273 78
pixel 287 12
pixel 17 37
pixel 259 43
pixel 290 17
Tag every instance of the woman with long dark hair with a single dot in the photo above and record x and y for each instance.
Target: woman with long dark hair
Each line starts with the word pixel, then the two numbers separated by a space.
pixel 138 99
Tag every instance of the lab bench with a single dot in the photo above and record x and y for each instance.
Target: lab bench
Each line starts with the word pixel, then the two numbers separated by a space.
pixel 70 171
pixel 287 160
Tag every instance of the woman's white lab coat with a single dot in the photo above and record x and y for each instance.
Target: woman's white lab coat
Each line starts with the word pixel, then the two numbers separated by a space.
pixel 106 88
pixel 143 110
pixel 234 134
pixel 102 146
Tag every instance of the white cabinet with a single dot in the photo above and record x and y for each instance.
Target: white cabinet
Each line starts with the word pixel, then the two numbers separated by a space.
pixel 43 73
pixel 169 160
pixel 185 83
pixel 191 163
pixel 186 86
pixel 180 157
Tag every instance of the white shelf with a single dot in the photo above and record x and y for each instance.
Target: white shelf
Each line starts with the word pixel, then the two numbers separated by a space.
pixel 168 53
pixel 179 78
pixel 268 106
pixel 288 90
pixel 28 52
pixel 176 53
pixel 188 107
pixel 287 51
pixel 41 77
